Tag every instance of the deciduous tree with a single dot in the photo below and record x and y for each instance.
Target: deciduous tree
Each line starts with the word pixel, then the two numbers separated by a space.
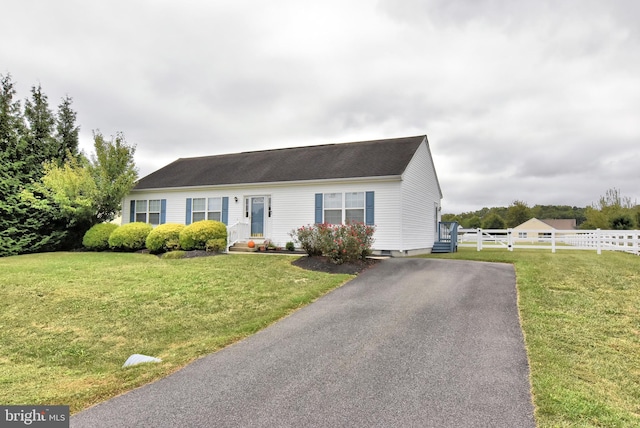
pixel 517 213
pixel 493 221
pixel 114 172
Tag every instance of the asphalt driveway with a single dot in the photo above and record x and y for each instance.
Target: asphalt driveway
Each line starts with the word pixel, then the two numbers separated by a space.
pixel 408 343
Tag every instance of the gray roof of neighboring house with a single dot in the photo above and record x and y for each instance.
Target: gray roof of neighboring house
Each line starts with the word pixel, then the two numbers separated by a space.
pixel 347 160
pixel 560 224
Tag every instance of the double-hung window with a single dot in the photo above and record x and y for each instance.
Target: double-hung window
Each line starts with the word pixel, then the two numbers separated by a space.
pixel 338 208
pixel 333 208
pixel 354 207
pixel 206 209
pixel 141 211
pixel 147 211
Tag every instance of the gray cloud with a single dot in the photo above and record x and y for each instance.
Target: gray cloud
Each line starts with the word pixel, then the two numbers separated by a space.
pixel 530 100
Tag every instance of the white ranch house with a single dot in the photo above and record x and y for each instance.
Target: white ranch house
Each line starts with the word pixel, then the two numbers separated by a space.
pixel 389 183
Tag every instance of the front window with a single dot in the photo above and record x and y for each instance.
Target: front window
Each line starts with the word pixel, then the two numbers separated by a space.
pixel 333 208
pixel 354 207
pixel 206 209
pixel 141 211
pixel 148 211
pixel 344 208
pixel 154 211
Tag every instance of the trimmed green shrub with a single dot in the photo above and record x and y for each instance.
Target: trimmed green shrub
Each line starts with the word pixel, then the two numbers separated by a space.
pixel 200 236
pixel 97 238
pixel 216 244
pixel 179 254
pixel 290 246
pixel 165 237
pixel 130 236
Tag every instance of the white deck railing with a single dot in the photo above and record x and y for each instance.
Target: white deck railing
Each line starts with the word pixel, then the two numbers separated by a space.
pixel 510 239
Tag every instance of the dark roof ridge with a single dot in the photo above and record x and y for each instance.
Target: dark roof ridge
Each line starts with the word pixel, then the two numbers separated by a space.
pixel 311 146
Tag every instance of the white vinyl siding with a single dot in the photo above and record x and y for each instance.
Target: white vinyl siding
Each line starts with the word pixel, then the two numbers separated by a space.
pixel 420 191
pixel 292 206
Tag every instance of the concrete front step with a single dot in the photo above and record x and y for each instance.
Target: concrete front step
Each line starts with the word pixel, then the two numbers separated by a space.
pixel 242 247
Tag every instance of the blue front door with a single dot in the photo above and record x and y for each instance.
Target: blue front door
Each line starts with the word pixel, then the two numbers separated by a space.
pixel 257 216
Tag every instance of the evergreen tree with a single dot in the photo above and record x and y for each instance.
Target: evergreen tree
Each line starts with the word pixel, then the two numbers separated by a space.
pixel 66 131
pixel 40 144
pixel 621 221
pixel 30 220
pixel 11 177
pixel 11 121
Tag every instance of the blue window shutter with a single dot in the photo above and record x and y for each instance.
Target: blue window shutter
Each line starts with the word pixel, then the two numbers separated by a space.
pixel 187 220
pixel 318 208
pixel 369 209
pixel 225 210
pixel 163 211
pixel 132 212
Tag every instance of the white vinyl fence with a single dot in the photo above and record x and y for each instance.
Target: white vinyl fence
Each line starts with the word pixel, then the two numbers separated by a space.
pixel 510 239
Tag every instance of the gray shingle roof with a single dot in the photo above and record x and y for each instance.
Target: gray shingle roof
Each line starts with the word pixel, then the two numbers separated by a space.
pixel 347 160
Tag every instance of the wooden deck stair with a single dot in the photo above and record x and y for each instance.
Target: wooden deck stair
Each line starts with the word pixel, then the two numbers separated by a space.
pixel 447 238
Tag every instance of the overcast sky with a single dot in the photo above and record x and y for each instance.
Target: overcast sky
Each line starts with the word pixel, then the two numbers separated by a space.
pixel 537 100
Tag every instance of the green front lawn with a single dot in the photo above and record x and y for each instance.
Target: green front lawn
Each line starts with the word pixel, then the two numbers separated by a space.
pixel 580 313
pixel 68 321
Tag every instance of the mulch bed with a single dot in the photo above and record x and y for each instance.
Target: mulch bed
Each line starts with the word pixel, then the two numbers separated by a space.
pixel 316 263
pixel 324 264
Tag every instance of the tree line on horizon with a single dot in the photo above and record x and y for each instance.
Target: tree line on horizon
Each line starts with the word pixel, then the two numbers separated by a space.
pixel 50 192
pixel 612 211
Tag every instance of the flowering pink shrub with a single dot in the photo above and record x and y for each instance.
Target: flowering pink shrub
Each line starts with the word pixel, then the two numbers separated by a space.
pixel 341 243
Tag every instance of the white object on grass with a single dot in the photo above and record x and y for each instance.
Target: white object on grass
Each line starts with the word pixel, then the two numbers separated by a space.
pixel 139 358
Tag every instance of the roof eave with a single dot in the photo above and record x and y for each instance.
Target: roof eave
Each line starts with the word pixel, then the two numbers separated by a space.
pixel 272 183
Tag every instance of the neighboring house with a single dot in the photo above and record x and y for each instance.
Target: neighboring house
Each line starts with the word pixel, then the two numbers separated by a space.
pixel 391 184
pixel 562 223
pixel 523 231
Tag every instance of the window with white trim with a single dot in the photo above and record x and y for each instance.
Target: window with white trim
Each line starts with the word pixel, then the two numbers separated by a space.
pixel 148 211
pixel 206 209
pixel 354 207
pixel 346 207
pixel 333 208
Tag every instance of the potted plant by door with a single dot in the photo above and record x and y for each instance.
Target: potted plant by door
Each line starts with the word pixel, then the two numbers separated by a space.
pixel 267 244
